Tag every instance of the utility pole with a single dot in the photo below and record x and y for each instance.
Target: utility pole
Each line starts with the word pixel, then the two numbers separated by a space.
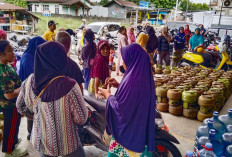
pixel 186 10
pixel 176 9
pixel 221 13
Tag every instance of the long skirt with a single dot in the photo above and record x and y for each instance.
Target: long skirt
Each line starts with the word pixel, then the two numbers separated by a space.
pixel 117 150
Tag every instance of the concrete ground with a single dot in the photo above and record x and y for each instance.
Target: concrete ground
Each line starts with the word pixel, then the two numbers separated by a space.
pixel 182 128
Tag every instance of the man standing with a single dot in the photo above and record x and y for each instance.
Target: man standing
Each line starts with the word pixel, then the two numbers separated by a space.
pixel 50 34
pixel 72 70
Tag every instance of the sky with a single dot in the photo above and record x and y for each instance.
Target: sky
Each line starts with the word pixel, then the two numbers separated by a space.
pixel 200 1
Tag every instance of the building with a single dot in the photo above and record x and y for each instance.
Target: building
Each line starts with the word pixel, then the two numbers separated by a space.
pixel 226 6
pixel 16 19
pixel 65 7
pixel 120 8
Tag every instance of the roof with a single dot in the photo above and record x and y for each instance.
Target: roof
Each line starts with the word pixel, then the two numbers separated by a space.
pixel 46 1
pixel 122 3
pixel 58 1
pixel 9 7
pixel 71 2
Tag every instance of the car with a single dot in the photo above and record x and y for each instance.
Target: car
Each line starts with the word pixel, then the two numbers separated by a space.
pixel 177 24
pixel 97 27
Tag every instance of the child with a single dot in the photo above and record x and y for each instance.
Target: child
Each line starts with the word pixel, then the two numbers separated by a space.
pixel 9 90
pixel 111 58
pixel 100 68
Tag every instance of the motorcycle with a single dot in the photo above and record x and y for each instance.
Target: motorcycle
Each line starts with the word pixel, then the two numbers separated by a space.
pixel 223 56
pixel 211 38
pixel 93 131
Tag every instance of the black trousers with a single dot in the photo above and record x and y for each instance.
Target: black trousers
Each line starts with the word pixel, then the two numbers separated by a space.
pixel 12 121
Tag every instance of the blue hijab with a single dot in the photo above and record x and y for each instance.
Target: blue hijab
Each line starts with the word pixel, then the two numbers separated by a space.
pixel 130 113
pixel 180 37
pixel 27 60
pixel 196 40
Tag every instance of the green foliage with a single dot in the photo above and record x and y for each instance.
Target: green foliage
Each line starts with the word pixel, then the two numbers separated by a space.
pixel 103 2
pixel 20 3
pixel 193 6
pixel 170 4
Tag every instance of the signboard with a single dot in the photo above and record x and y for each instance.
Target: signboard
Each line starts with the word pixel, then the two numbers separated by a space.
pixel 46 13
pixel 144 4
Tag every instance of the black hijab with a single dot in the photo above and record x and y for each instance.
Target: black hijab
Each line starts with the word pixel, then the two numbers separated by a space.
pixel 152 43
pixel 50 62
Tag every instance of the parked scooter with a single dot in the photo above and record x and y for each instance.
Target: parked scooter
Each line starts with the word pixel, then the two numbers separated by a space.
pixel 205 59
pixel 93 131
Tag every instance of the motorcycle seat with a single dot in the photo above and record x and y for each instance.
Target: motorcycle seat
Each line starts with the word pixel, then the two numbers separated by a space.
pixel 99 105
pixel 213 53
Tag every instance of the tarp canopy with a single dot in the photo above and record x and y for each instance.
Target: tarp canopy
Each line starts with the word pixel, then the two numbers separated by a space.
pixel 205 18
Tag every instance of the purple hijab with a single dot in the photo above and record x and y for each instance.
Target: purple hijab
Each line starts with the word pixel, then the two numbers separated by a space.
pixel 152 43
pixel 50 62
pixel 131 112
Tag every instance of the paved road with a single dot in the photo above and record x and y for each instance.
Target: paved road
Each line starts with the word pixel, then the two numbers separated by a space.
pixel 183 129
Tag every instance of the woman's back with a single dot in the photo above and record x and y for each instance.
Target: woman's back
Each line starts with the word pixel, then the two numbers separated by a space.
pixel 55 129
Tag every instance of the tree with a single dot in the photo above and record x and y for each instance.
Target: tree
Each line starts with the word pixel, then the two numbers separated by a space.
pixel 103 2
pixel 193 6
pixel 169 4
pixel 20 3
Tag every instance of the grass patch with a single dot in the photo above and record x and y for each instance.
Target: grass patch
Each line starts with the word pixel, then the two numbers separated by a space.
pixel 63 22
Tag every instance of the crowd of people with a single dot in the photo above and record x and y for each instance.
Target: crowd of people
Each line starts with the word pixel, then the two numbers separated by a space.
pixel 49 90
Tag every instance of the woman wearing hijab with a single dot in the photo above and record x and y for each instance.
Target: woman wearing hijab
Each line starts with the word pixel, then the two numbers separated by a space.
pixel 196 42
pixel 100 69
pixel 163 47
pixel 142 40
pixel 131 35
pixel 87 54
pixel 27 60
pixel 122 42
pixel 152 43
pixel 54 102
pixel 27 68
pixel 179 45
pixel 187 32
pixel 132 131
pixel 203 31
pixel 3 35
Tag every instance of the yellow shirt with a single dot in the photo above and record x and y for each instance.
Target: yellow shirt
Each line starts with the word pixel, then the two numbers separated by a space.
pixel 49 35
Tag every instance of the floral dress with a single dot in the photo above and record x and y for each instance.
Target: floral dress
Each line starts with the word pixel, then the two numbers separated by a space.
pixel 117 150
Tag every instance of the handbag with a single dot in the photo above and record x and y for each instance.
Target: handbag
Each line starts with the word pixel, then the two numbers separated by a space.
pixel 46 88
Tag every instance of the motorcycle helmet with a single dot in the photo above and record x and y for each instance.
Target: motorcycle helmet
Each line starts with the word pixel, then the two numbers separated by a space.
pixel 222 47
pixel 226 39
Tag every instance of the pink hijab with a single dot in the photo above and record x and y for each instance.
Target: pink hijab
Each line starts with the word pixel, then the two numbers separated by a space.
pixel 2 32
pixel 131 36
pixel 100 65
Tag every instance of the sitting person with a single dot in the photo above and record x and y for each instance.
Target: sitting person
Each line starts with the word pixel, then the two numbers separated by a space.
pixel 100 68
pixel 196 42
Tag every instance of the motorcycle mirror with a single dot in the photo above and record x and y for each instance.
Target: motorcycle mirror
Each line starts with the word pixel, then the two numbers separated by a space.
pixel 108 35
pixel 122 70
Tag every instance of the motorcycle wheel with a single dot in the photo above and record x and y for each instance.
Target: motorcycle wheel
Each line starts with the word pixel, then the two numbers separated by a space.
pixel 165 148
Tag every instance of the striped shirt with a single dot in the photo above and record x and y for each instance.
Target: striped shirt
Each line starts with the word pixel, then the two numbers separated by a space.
pixel 55 131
